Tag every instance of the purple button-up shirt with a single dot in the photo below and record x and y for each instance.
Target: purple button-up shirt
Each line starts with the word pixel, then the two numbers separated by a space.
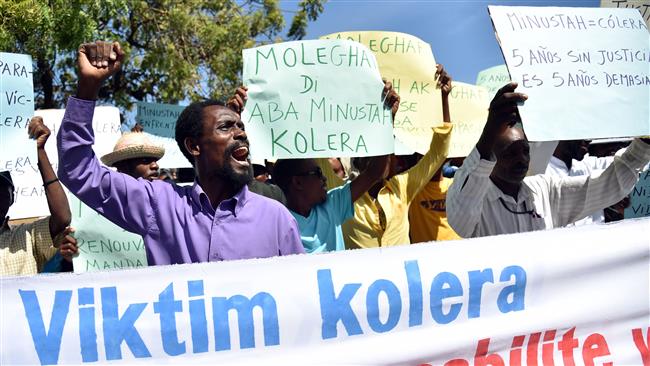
pixel 178 224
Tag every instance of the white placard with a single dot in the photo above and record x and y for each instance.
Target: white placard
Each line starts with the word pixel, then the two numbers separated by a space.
pixel 586 70
pixel 30 195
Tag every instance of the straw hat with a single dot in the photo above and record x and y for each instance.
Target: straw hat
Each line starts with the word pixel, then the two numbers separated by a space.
pixel 133 145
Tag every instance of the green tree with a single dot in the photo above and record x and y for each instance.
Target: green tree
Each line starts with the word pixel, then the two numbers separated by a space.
pixel 176 49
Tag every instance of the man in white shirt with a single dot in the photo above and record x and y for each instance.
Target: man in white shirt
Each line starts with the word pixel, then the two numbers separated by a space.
pixel 571 159
pixel 491 194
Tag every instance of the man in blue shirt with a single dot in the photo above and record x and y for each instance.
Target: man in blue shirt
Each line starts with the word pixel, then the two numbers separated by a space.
pixel 320 213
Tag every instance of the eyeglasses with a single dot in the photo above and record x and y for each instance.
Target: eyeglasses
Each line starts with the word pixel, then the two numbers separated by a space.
pixel 317 172
pixel 526 212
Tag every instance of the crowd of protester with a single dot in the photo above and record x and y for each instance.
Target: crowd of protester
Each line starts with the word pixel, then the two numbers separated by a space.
pixel 226 208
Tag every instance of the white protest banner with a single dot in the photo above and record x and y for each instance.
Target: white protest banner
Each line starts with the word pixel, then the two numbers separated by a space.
pixel 317 98
pixel 585 70
pixel 102 244
pixel 16 110
pixel 29 192
pixel 640 197
pixel 566 296
pixel 468 108
pixel 159 122
pixel 643 6
pixel 408 63
pixel 493 78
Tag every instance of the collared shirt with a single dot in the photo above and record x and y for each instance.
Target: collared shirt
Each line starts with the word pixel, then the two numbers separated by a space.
pixel 428 213
pixel 178 223
pixel 384 221
pixel 476 207
pixel 586 166
pixel 24 249
pixel 321 230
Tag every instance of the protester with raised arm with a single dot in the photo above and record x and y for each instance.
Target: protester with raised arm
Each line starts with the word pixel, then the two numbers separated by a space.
pixel 491 194
pixel 135 155
pixel 215 219
pixel 25 249
pixel 428 213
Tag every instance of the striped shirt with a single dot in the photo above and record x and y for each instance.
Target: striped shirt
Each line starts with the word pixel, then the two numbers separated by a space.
pixel 24 249
pixel 587 166
pixel 476 207
pixel 384 221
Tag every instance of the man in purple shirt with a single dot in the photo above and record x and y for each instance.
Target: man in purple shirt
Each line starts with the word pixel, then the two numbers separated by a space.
pixel 215 219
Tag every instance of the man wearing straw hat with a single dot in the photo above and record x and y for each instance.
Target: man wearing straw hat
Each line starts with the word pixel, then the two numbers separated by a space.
pixel 134 154
pixel 215 219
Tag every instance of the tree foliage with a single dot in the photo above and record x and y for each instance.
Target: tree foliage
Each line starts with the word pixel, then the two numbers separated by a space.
pixel 176 49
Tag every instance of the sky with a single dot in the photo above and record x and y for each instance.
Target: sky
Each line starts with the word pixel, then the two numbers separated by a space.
pixel 460 32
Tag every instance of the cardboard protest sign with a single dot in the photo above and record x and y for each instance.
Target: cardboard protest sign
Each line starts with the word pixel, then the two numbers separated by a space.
pixel 102 244
pixel 468 107
pixel 408 63
pixel 640 197
pixel 585 70
pixel 159 123
pixel 29 192
pixel 16 110
pixel 643 6
pixel 318 98
pixel 493 79
pixel 574 296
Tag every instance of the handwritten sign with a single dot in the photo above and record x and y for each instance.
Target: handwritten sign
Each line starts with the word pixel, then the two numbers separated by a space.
pixel 640 197
pixel 493 79
pixel 102 244
pixel 585 70
pixel 408 63
pixel 16 109
pixel 468 107
pixel 315 99
pixel 159 122
pixel 643 6
pixel 29 192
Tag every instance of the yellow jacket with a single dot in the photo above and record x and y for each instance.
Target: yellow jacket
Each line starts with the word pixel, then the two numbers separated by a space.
pixel 384 221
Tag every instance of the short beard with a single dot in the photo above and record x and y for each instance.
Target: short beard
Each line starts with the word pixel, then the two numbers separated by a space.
pixel 232 177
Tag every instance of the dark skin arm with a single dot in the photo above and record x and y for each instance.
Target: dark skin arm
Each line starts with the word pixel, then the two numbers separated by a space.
pixel 503 114
pixel 376 171
pixel 57 201
pixel 238 101
pixel 67 244
pixel 444 83
pixel 378 166
pixel 96 62
pixel 391 98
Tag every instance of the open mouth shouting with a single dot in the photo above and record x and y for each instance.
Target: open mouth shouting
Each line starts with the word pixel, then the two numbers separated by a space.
pixel 240 156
